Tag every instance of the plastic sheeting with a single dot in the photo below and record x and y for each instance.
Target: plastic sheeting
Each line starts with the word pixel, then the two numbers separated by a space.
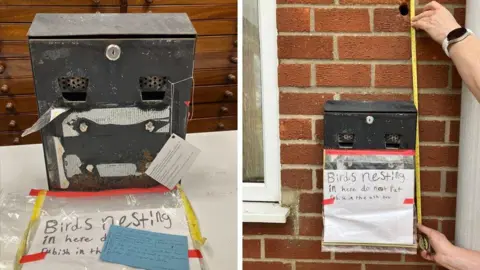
pixel 72 230
pixel 369 201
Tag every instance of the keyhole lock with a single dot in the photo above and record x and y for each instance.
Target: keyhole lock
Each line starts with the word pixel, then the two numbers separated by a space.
pixel 369 120
pixel 113 52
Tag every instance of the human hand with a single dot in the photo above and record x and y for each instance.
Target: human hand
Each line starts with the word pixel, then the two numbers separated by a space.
pixel 436 20
pixel 440 244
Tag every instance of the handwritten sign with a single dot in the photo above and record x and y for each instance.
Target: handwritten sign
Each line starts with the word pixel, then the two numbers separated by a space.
pixel 379 186
pixel 363 205
pixel 146 250
pixel 75 241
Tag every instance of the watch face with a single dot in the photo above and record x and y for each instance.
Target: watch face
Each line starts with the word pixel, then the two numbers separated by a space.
pixel 456 33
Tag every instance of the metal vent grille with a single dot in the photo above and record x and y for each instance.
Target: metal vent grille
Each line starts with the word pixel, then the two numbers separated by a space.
pixel 73 83
pixel 393 140
pixel 152 83
pixel 345 140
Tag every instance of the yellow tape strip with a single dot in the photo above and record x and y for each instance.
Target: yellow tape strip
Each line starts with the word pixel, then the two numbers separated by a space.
pixel 192 220
pixel 37 210
pixel 413 37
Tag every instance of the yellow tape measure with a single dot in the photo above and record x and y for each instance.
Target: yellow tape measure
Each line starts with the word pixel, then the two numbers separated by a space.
pixel 413 37
pixel 192 220
pixel 423 241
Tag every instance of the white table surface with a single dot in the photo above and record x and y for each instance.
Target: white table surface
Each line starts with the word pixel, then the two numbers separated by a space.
pixel 211 186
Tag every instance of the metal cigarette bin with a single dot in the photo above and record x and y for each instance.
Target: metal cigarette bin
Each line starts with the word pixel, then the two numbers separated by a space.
pixel 125 80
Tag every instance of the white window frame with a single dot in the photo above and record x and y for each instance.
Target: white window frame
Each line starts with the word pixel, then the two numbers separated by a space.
pixel 262 200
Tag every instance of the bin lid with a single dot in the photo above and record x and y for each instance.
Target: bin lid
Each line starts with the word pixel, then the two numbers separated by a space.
pixel 48 25
pixel 370 106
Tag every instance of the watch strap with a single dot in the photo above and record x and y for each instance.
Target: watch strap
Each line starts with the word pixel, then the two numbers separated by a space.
pixel 446 43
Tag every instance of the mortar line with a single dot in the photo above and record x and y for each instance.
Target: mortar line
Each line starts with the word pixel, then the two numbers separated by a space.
pixel 439 194
pixel 335 48
pixel 443 181
pixel 358 34
pixel 371 19
pixel 252 237
pixel 262 248
pixel 365 90
pixel 300 116
pixel 299 141
pixel 314 128
pixel 404 62
pixel 312 20
pixel 310 215
pixel 300 166
pixel 447 131
pixel 296 220
pixel 314 180
pixel 372 75
pixel 313 76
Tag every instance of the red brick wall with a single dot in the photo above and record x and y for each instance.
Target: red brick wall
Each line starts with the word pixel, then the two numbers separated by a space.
pixel 353 49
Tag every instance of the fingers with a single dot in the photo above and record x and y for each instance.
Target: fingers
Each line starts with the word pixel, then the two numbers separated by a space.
pixel 423 15
pixel 434 5
pixel 422 24
pixel 427 231
pixel 427 256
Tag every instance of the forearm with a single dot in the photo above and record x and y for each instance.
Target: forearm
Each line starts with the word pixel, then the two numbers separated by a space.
pixel 466 56
pixel 461 259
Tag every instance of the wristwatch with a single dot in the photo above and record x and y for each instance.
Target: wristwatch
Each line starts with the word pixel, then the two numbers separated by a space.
pixel 455 36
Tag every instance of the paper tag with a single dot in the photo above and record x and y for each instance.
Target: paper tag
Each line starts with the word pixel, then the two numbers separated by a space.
pixel 173 161
pixel 44 120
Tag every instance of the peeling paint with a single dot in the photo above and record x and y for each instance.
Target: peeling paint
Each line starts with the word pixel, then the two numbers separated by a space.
pixel 114 116
pixel 64 183
pixel 117 169
pixel 72 165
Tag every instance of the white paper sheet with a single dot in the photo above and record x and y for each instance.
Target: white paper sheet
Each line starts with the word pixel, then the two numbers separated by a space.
pixel 369 206
pixel 76 242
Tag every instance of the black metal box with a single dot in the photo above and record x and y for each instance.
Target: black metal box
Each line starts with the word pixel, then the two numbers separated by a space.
pixel 125 80
pixel 370 125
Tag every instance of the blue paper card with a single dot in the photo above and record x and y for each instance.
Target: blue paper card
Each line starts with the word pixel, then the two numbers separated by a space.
pixel 146 250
